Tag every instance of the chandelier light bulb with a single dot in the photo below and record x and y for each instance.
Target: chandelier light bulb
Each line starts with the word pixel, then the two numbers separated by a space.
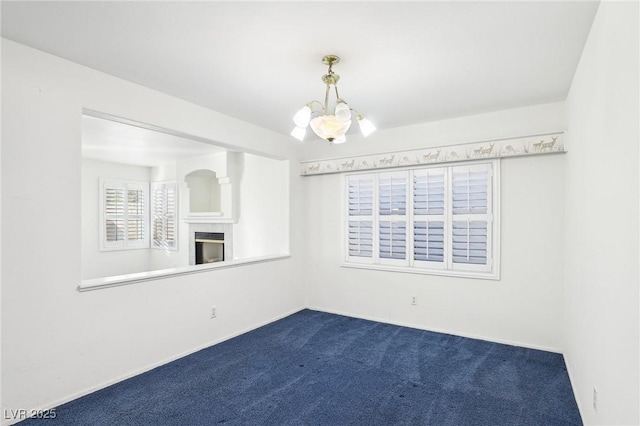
pixel 341 139
pixel 302 117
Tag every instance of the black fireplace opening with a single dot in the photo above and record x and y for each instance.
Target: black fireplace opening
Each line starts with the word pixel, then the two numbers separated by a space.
pixel 209 247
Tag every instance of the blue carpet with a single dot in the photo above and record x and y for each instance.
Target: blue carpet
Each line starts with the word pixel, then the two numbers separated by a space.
pixel 314 368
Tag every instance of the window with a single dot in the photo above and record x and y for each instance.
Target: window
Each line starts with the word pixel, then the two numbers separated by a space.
pixel 438 220
pixel 124 206
pixel 164 215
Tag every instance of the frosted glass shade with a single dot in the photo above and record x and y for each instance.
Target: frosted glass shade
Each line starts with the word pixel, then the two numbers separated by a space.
pixel 299 132
pixel 366 127
pixel 342 112
pixel 302 117
pixel 329 127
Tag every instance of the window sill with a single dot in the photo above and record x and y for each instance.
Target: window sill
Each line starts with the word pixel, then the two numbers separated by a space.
pixel 495 276
pixel 119 280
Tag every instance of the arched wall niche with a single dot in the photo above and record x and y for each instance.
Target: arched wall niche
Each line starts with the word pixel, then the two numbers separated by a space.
pixel 209 187
pixel 204 191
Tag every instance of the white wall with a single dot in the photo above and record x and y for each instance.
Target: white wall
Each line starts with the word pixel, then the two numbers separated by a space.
pixel 56 342
pixel 96 263
pixel 264 208
pixel 602 214
pixel 524 307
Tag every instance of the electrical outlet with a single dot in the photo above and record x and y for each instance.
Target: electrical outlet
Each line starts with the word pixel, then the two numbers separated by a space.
pixel 213 312
pixel 414 300
pixel 595 398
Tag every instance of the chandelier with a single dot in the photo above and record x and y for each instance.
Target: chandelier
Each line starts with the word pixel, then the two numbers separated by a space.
pixel 331 127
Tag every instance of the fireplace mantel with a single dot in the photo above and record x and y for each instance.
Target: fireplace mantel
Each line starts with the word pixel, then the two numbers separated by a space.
pixel 207 217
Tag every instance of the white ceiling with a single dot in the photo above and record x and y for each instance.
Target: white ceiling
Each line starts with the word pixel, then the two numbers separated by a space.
pixel 402 62
pixel 108 140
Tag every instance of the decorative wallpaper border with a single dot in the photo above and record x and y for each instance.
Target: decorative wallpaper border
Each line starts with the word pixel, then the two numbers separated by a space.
pixel 527 145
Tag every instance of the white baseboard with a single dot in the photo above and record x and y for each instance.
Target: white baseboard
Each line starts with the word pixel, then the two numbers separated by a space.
pixel 438 330
pixel 573 388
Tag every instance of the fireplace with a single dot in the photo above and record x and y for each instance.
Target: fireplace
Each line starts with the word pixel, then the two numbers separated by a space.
pixel 219 238
pixel 209 247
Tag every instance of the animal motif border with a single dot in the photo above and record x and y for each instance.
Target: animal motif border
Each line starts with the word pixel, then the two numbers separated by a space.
pixel 527 145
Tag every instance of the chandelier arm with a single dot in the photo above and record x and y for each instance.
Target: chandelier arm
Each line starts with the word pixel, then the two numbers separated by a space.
pixel 326 99
pixel 335 86
pixel 310 104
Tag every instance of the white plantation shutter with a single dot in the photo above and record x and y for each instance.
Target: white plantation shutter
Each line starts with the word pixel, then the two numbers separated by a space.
pixel 124 207
pixel 469 242
pixel 171 218
pixel 471 217
pixel 163 215
pixel 392 210
pixel 470 189
pixel 157 213
pixel 428 192
pixel 429 217
pixel 436 219
pixel 136 214
pixel 360 192
pixel 114 226
pixel 361 238
pixel 360 202
pixel 393 240
pixel 392 196
pixel 428 242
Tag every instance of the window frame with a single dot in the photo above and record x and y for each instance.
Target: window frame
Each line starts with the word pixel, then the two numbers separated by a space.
pixel 124 244
pixel 409 265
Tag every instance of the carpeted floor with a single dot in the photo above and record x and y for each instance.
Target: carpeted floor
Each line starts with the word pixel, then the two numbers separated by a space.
pixel 314 368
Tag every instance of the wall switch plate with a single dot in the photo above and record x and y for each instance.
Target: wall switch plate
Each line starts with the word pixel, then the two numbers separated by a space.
pixel 414 300
pixel 595 398
pixel 213 312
